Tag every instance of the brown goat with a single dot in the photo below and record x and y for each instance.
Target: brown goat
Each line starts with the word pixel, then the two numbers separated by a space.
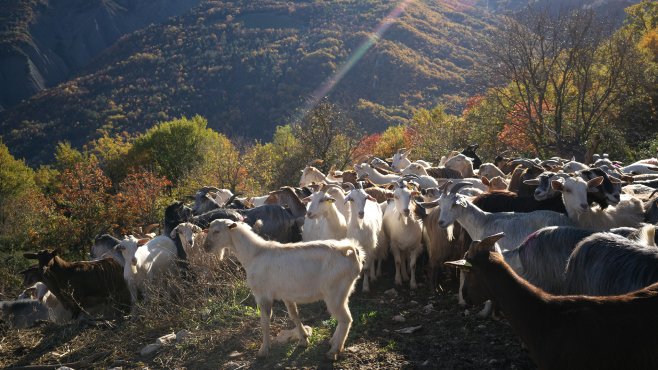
pixel 286 197
pixel 566 332
pixel 83 285
pixel 380 194
pixel 439 248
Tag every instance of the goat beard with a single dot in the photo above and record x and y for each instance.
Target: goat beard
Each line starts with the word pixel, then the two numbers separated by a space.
pixel 450 233
pixel 133 265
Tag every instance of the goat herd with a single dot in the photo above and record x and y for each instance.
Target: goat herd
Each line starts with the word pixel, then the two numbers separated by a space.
pixel 567 251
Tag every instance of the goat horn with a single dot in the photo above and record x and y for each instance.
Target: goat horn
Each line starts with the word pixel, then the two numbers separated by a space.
pixel 444 187
pixel 230 200
pixel 427 205
pixel 455 188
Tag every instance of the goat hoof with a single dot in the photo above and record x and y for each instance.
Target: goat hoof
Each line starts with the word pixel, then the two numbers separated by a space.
pixel 332 356
pixel 413 286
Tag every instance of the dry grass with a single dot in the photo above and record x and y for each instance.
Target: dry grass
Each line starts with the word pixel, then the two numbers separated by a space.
pixel 225 332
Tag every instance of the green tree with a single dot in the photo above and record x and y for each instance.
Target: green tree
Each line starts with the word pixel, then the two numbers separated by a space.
pixel 173 148
pixel 23 208
pixel 436 133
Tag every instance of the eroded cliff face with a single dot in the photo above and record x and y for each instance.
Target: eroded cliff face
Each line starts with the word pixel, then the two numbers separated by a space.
pixel 63 36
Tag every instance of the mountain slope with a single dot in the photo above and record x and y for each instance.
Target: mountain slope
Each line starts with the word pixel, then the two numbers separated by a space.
pixel 248 66
pixel 45 42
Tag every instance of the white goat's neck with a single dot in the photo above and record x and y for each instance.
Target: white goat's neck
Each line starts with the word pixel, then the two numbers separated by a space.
pixel 335 219
pixel 472 219
pixel 246 245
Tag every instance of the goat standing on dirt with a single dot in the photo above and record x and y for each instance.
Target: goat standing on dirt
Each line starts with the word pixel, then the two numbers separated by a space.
pixel 566 332
pixel 295 273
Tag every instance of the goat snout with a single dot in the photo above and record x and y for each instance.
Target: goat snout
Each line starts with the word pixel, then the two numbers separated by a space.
pixel 309 215
pixel 361 214
pixel 406 212
pixel 584 207
pixel 442 224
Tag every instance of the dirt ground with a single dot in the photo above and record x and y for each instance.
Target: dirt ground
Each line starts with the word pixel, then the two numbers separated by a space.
pixel 225 333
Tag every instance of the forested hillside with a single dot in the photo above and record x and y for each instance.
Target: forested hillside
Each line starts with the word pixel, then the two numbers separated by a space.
pixel 248 66
pixel 43 43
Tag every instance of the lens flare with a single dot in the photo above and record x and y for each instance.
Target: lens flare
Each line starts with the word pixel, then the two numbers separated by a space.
pixel 325 88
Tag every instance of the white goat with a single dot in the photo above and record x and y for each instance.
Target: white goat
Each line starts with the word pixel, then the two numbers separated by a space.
pixel 642 167
pixel 400 159
pixel 480 224
pixel 311 175
pixel 145 260
pixel 461 163
pixel 366 227
pixel 295 273
pixel 56 311
pixel 496 183
pixel 629 211
pixel 374 175
pixel 221 196
pixel 424 180
pixel 573 166
pixel 338 193
pixel 423 163
pixel 473 183
pixel 490 170
pixel 323 220
pixel 190 236
pixel 404 231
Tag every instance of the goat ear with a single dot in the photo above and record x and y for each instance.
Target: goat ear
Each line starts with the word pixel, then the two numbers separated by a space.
pixel 557 185
pixel 460 264
pixel 461 202
pixel 389 195
pixel 492 239
pixel 205 231
pixel 532 182
pixel 232 226
pixel 173 232
pixel 595 182
pixel 347 199
pixel 143 241
pixel 485 180
pixel 306 200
